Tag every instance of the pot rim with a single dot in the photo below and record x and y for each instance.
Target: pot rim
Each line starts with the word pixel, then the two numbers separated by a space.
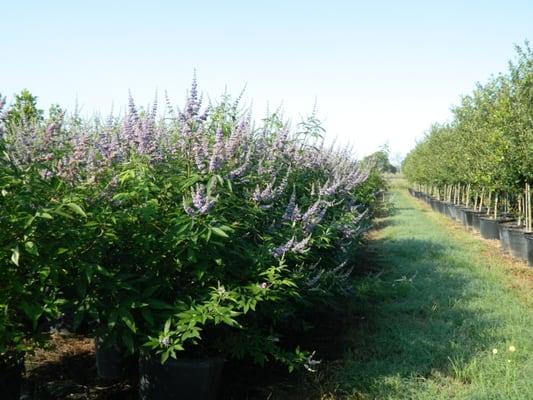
pixel 498 220
pixel 143 355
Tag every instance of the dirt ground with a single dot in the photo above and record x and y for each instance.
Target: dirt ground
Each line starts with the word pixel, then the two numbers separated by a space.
pixel 66 369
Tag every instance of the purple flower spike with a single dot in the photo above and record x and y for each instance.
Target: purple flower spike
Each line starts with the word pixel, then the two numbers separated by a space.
pixel 278 252
pixel 301 246
pixel 292 212
pixel 218 149
pixel 201 200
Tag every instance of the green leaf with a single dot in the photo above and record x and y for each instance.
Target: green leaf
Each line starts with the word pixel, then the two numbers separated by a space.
pixel 159 305
pixel 32 311
pixel 31 248
pixel 219 232
pixel 226 228
pixel 167 326
pixel 44 273
pixel 30 221
pixel 63 214
pixel 44 215
pixel 77 209
pixel 210 184
pixel 15 256
pixel 128 342
pixel 147 315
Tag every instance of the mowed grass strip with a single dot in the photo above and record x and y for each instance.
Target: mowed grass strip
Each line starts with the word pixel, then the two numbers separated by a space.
pixel 447 316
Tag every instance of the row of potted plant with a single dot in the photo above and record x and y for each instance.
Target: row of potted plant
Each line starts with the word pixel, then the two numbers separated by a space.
pixel 180 238
pixel 482 160
pixel 514 241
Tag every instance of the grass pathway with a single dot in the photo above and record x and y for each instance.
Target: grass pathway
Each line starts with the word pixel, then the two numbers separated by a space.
pixel 439 319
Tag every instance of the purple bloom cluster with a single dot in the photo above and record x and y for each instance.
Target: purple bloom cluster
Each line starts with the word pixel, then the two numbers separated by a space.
pixel 201 200
pixel 278 252
pixel 292 212
pixel 269 193
pixel 239 171
pixel 314 214
pixel 217 155
pixel 298 247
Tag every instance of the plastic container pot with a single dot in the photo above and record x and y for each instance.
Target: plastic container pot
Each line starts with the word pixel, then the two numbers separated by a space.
pixel 112 362
pixel 476 220
pixel 490 227
pixel 183 379
pixel 11 378
pixel 505 240
pixel 462 216
pixel 446 209
pixel 469 218
pixel 518 243
pixel 452 211
pixel 529 245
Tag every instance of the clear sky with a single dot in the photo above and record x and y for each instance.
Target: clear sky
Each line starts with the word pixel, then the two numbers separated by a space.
pixel 381 71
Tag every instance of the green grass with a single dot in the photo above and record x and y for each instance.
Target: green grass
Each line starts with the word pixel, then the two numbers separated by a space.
pixel 430 319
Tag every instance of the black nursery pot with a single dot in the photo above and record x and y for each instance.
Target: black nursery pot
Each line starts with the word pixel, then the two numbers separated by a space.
pixel 183 379
pixel 505 237
pixel 518 243
pixel 490 227
pixel 462 216
pixel 448 209
pixel 11 378
pixel 476 220
pixel 452 211
pixel 529 246
pixel 112 362
pixel 469 218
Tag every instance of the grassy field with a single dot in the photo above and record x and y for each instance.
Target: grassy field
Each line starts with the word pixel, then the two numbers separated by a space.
pixel 444 316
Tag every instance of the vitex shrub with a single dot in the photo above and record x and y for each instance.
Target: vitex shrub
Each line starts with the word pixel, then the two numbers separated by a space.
pixel 197 231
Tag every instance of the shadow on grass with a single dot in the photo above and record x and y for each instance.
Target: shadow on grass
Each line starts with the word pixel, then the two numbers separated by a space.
pixel 382 223
pixel 415 319
pixel 406 320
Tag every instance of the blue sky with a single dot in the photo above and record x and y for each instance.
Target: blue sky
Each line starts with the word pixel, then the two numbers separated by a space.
pixel 381 71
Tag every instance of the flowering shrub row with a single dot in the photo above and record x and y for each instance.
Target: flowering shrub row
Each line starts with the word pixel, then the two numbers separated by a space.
pixel 193 231
pixel 484 157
